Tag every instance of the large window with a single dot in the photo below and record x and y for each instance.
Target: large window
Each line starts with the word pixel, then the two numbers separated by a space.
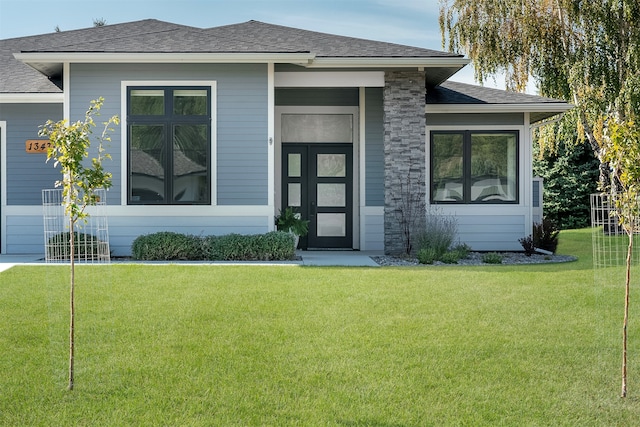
pixel 474 167
pixel 169 145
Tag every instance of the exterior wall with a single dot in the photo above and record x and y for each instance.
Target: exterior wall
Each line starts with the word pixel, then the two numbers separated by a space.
pixel 27 174
pixel 240 172
pixel 404 152
pixel 374 154
pixel 241 134
pixel 491 227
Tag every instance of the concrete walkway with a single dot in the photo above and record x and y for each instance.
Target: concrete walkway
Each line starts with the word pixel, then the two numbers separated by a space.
pixel 309 258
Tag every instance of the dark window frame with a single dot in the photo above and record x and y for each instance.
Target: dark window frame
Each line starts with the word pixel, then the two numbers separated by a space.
pixel 466 167
pixel 169 121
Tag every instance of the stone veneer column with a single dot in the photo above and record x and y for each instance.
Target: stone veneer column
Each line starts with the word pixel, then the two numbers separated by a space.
pixel 404 154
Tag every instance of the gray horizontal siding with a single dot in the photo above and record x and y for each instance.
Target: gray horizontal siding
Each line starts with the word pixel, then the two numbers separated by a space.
pixel 374 233
pixel 475 119
pixel 25 235
pixel 343 97
pixel 491 232
pixel 374 150
pixel 27 174
pixel 241 119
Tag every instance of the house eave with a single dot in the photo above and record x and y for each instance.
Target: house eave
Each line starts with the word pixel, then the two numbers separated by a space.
pixel 31 98
pixel 50 63
pixel 540 110
pixel 386 62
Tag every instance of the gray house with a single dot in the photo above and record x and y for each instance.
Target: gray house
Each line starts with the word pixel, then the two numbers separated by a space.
pixel 222 127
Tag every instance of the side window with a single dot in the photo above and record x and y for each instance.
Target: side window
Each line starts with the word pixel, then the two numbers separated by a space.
pixel 169 145
pixel 474 167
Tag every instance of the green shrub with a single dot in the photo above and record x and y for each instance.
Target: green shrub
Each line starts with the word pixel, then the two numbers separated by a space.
pixel 167 246
pixel 451 257
pixel 463 250
pixel 545 235
pixel 85 246
pixel 428 256
pixel 275 245
pixel 492 258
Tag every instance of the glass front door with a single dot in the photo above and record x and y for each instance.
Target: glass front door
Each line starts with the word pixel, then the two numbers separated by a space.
pixel 318 181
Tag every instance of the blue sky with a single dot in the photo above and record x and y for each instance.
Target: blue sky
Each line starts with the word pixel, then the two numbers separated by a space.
pixel 410 22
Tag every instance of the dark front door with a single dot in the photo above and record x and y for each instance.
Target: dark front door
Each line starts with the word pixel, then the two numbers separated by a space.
pixel 317 179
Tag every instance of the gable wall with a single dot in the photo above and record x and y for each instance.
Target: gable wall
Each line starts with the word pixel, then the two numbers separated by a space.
pixel 241 105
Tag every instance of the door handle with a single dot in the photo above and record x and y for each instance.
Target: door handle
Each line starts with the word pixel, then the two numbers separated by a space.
pixel 312 211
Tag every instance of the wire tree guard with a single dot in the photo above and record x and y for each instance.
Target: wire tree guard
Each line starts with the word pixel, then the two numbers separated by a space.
pixel 610 249
pixel 91 238
pixel 610 241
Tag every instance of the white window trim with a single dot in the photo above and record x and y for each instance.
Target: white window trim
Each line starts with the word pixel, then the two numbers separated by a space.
pixel 124 85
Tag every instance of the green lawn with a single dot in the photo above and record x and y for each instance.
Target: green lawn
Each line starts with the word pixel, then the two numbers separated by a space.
pixel 203 345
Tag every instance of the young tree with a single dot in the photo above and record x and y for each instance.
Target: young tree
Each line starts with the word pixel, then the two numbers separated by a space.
pixel 586 52
pixel 622 152
pixel 70 144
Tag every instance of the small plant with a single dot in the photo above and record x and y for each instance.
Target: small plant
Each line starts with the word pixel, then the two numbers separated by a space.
pixel 86 246
pixel 527 245
pixel 290 221
pixel 428 256
pixel 492 258
pixel 451 257
pixel 463 250
pixel 545 235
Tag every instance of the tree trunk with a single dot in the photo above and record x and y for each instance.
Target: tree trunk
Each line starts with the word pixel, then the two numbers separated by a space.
pixel 626 314
pixel 72 305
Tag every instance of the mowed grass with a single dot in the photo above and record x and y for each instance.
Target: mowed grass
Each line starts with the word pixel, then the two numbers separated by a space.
pixel 204 345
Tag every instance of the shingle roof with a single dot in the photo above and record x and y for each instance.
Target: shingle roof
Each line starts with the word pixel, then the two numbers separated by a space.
pixel 321 44
pixel 470 97
pixel 153 36
pixel 462 93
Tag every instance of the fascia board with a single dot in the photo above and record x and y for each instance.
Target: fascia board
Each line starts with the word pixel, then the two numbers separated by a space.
pixel 106 57
pixel 31 98
pixel 497 108
pixel 388 62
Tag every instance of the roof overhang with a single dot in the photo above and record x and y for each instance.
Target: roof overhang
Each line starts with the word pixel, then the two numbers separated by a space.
pixel 538 112
pixel 386 62
pixel 440 68
pixel 50 63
